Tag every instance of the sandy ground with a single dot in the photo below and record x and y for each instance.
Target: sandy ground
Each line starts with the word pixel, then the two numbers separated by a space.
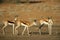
pixel 34 34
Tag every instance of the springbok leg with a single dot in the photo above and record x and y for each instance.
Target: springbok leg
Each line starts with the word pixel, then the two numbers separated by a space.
pixel 40 31
pixel 24 30
pixel 16 31
pixel 13 29
pixel 28 31
pixel 4 29
pixel 40 28
pixel 50 29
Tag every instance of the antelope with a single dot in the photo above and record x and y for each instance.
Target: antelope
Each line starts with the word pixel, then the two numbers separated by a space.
pixel 7 22
pixel 26 25
pixel 48 22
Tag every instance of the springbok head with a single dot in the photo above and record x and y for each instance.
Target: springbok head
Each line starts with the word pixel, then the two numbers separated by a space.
pixel 50 20
pixel 16 17
pixel 34 22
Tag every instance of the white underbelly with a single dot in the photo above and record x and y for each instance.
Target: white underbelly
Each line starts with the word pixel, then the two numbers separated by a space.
pixel 46 23
pixel 23 24
pixel 10 23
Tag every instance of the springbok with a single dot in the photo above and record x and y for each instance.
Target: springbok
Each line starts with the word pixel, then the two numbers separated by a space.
pixel 48 22
pixel 24 23
pixel 7 22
